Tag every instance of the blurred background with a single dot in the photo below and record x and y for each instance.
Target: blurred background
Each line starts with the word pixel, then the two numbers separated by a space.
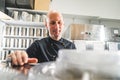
pixel 91 25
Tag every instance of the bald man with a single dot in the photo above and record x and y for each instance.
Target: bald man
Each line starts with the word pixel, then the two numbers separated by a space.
pixel 45 49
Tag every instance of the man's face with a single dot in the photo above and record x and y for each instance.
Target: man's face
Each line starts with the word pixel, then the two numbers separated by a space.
pixel 55 26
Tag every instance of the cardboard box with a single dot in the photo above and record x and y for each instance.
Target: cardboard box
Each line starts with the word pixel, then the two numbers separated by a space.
pixel 42 5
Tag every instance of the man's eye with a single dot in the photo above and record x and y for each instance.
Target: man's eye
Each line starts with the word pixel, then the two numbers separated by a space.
pixel 53 23
pixel 59 22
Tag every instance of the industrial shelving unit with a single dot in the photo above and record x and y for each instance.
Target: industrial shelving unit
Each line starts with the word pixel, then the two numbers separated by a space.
pixel 19 33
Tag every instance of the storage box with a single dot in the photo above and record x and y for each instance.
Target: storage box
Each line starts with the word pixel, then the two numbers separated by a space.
pixel 2 5
pixel 27 4
pixel 42 5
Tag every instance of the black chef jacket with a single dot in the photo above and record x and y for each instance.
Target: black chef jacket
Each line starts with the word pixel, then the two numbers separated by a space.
pixel 46 49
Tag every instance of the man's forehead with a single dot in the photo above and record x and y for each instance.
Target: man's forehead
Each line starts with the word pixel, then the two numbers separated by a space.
pixel 55 15
pixel 53 12
pixel 55 18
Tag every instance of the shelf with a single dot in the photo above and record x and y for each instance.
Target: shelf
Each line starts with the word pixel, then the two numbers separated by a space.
pixel 97 18
pixel 23 23
pixel 75 16
pixel 13 48
pixel 13 36
pixel 19 32
pixel 4 16
pixel 27 10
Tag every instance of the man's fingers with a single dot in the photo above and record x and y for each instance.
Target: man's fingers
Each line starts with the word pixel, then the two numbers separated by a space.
pixel 19 57
pixel 14 59
pixel 32 60
pixel 24 56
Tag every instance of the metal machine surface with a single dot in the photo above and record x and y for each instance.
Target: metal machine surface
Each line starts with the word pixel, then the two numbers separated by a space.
pixel 112 34
pixel 87 32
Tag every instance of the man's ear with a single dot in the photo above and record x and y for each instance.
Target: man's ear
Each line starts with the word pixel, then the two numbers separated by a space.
pixel 46 25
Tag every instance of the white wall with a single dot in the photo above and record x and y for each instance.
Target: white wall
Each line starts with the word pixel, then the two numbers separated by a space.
pixel 105 12
pixel 101 12
pixel 99 8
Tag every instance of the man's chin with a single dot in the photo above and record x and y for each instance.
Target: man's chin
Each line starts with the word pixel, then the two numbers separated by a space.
pixel 57 37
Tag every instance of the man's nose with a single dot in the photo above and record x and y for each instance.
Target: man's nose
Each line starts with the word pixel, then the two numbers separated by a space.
pixel 57 27
pixel 57 24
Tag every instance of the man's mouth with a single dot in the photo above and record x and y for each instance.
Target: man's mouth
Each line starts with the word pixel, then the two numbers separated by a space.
pixel 56 32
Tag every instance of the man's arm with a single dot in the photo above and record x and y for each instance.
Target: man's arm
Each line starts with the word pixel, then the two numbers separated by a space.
pixel 21 58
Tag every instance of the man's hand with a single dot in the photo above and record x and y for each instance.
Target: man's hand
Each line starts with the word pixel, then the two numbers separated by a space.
pixel 21 58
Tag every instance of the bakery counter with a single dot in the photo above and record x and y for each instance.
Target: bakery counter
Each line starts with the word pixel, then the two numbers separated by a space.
pixel 14 72
pixel 70 65
pixel 39 71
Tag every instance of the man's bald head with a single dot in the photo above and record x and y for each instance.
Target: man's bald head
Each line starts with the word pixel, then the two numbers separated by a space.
pixel 55 24
pixel 54 13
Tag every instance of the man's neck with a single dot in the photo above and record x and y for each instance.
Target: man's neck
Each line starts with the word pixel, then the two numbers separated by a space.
pixel 56 39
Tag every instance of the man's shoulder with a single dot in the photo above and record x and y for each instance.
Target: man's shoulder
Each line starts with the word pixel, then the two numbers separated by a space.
pixel 69 44
pixel 42 39
pixel 67 40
